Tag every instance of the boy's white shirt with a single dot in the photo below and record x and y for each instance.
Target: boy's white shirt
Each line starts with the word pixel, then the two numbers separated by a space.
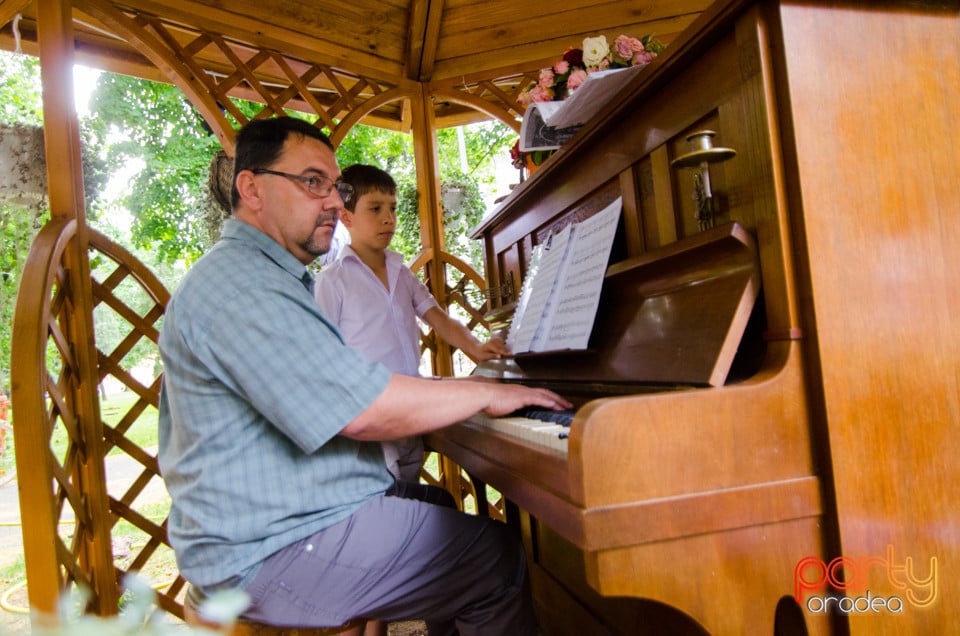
pixel 381 324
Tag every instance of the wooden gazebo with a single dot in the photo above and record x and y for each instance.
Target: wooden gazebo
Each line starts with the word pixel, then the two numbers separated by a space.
pixel 411 66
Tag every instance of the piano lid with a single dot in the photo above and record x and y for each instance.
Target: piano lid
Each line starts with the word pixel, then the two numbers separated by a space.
pixel 674 315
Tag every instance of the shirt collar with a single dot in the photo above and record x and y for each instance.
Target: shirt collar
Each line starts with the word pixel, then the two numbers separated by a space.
pixel 348 252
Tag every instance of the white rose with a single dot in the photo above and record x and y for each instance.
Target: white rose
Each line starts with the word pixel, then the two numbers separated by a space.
pixel 594 50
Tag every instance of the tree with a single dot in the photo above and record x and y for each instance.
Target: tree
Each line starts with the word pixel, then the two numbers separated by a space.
pixel 154 126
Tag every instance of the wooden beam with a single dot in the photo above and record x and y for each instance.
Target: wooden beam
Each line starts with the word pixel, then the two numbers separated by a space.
pixel 10 9
pixel 416 37
pixel 431 39
pixel 252 22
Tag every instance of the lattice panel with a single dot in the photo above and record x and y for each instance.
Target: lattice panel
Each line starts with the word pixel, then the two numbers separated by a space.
pixel 95 476
pixel 463 487
pixel 467 294
pixel 129 302
pixel 279 81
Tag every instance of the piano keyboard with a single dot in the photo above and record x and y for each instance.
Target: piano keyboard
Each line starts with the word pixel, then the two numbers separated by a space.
pixel 546 428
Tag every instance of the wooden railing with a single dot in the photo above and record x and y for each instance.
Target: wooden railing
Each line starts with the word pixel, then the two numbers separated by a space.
pixel 73 497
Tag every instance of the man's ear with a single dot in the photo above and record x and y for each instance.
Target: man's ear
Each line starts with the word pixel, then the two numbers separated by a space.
pixel 249 189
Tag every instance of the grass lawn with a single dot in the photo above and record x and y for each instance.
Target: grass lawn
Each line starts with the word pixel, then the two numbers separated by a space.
pixel 143 433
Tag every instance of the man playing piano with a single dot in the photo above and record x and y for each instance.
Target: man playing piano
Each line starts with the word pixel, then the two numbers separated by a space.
pixel 270 429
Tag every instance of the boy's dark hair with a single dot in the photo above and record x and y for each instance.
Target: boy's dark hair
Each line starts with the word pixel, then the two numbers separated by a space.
pixel 260 142
pixel 366 179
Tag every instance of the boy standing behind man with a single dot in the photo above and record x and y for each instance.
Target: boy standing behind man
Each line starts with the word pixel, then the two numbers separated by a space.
pixel 375 299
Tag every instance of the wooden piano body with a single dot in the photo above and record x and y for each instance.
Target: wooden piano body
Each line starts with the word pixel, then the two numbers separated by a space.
pixel 688 508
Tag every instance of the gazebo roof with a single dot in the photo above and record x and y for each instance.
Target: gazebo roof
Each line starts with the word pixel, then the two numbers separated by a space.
pixel 333 56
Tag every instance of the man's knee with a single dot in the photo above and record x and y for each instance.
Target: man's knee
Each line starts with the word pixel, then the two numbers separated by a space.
pixel 509 560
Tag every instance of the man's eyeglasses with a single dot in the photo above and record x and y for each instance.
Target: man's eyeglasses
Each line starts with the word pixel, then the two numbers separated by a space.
pixel 317 185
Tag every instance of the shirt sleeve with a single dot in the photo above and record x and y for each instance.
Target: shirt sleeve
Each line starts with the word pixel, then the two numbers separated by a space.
pixel 423 300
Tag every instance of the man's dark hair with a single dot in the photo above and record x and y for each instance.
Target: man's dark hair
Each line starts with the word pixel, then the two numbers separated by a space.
pixel 260 142
pixel 366 179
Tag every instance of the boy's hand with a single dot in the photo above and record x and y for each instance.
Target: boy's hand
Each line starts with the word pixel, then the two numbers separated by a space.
pixel 491 349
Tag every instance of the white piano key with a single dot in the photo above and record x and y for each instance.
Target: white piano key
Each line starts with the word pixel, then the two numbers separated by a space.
pixel 531 430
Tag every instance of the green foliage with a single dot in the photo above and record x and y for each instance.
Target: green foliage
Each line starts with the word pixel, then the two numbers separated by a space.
pixel 406 240
pixel 388 150
pixel 20 99
pixel 463 209
pixel 18 227
pixel 481 142
pixel 153 125
pixel 20 103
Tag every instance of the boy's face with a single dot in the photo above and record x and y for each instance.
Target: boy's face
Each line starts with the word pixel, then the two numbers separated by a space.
pixel 372 221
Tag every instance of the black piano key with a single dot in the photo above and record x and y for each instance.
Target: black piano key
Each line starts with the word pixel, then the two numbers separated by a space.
pixel 564 418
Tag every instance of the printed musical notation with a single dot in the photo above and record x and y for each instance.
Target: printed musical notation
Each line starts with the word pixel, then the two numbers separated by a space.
pixel 559 299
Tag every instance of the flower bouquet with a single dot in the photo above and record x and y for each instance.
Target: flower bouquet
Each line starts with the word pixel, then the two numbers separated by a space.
pixel 540 137
pixel 566 75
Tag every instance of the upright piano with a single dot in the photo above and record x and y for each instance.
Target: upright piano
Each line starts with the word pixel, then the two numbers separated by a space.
pixel 709 452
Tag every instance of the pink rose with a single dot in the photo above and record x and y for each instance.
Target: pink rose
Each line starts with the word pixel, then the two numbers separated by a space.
pixel 561 67
pixel 546 77
pixel 643 58
pixel 576 79
pixel 623 47
pixel 541 94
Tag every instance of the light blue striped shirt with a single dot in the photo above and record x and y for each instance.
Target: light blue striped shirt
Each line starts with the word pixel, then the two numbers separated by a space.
pixel 257 385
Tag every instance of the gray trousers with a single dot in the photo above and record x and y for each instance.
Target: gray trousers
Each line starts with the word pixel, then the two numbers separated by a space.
pixel 400 559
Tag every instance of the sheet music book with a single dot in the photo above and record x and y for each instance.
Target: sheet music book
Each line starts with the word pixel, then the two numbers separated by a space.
pixel 537 134
pixel 549 125
pixel 560 295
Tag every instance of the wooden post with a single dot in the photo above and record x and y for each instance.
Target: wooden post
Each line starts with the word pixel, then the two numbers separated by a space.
pixel 431 235
pixel 65 183
pixel 431 215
